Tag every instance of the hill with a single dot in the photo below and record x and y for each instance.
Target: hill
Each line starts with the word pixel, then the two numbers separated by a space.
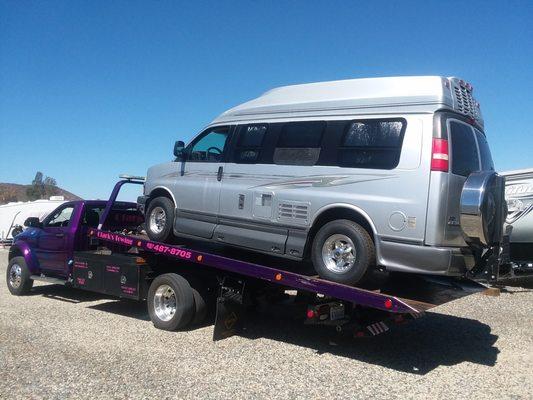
pixel 15 192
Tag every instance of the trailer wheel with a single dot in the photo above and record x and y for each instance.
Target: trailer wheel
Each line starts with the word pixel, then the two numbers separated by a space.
pixel 343 251
pixel 159 219
pixel 18 277
pixel 170 302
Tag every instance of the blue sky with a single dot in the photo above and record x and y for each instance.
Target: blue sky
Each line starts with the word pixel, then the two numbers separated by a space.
pixel 92 89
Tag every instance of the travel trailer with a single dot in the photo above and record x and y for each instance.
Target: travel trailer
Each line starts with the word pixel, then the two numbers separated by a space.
pixel 15 213
pixel 519 196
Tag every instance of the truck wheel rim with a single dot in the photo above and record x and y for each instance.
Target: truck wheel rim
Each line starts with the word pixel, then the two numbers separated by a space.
pixel 15 276
pixel 338 253
pixel 165 302
pixel 158 220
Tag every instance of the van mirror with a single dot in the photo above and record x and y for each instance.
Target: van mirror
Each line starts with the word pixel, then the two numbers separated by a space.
pixel 33 222
pixel 179 146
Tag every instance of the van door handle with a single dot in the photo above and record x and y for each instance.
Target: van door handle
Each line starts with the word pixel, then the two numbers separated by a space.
pixel 219 173
pixel 60 235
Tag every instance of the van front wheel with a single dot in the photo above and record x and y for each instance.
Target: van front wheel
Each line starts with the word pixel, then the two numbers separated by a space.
pixel 159 219
pixel 342 252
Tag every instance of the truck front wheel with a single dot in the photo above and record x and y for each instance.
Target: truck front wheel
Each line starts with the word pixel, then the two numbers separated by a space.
pixel 170 302
pixel 18 277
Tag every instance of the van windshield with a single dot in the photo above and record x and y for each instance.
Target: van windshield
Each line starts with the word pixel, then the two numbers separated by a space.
pixel 486 158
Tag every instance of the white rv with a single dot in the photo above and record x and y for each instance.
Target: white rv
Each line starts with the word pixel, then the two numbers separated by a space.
pixel 519 196
pixel 15 213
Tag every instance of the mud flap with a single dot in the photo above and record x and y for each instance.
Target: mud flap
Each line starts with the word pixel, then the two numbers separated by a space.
pixel 230 309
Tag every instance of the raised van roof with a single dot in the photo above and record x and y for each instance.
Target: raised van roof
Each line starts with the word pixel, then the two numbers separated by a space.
pixel 360 96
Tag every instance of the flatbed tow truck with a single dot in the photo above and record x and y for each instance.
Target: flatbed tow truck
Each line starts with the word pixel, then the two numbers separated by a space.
pixel 182 283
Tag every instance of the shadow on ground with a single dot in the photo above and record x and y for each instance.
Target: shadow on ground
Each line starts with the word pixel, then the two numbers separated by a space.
pixel 417 347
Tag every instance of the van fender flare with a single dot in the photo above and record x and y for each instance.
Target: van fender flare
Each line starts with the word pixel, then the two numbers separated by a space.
pixel 360 212
pixel 164 188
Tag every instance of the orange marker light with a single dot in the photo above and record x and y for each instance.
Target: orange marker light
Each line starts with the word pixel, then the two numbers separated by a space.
pixel 278 277
pixel 199 258
pixel 139 244
pixel 388 304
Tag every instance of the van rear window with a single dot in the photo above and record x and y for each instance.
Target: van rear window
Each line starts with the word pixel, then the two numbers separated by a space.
pixel 484 151
pixel 465 158
pixel 372 144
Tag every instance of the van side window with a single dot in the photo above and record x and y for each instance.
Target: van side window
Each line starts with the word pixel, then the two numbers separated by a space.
pixel 299 143
pixel 248 147
pixel 372 144
pixel 465 158
pixel 484 151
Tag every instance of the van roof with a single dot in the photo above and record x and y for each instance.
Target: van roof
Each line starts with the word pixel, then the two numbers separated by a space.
pixel 360 96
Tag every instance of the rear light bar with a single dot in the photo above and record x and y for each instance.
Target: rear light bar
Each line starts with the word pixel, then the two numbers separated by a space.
pixel 440 155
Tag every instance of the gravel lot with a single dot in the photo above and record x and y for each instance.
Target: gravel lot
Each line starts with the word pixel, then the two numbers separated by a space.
pixel 61 343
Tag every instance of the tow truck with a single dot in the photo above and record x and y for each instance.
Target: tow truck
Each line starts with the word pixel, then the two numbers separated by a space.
pixel 97 246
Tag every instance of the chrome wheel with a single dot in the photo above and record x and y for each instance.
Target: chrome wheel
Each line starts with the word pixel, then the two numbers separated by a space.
pixel 338 253
pixel 165 302
pixel 158 220
pixel 15 276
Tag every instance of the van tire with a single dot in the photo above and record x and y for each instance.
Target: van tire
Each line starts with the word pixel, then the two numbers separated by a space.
pixel 355 264
pixel 183 302
pixel 158 206
pixel 18 277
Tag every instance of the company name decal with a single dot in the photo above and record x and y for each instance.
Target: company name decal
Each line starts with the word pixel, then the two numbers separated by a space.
pixel 156 247
pixel 114 238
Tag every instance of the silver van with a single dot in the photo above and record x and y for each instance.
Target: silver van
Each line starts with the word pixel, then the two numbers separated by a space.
pixel 352 174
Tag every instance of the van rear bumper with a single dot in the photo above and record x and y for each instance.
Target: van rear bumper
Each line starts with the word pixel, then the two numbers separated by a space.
pixel 454 261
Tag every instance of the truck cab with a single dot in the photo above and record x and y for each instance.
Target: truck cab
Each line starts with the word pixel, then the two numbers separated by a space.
pixel 48 246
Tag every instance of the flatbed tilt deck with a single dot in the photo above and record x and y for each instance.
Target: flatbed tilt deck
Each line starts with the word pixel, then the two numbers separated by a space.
pixel 180 284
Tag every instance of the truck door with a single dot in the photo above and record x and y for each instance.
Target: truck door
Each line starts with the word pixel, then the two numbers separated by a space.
pixel 54 244
pixel 198 189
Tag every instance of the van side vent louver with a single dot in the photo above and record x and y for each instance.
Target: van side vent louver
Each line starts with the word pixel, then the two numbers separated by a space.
pixel 293 211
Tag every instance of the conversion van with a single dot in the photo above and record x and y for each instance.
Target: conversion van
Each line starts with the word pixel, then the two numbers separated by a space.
pixel 390 172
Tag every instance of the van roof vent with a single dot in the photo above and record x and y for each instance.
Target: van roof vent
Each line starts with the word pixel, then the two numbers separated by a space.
pixel 464 102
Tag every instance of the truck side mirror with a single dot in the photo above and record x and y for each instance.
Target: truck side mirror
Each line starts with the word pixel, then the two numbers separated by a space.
pixel 179 146
pixel 33 222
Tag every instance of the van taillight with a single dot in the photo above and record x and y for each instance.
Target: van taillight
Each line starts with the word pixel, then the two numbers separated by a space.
pixel 440 155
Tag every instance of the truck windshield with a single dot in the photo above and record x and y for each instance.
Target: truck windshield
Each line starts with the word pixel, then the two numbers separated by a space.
pixel 484 151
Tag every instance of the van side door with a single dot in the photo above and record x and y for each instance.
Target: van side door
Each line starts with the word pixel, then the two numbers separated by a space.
pixel 198 188
pixel 247 216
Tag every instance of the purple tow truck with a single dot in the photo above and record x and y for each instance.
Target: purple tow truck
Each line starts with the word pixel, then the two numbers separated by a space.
pixel 99 246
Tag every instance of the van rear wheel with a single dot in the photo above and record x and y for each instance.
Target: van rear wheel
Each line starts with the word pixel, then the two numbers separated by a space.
pixel 343 252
